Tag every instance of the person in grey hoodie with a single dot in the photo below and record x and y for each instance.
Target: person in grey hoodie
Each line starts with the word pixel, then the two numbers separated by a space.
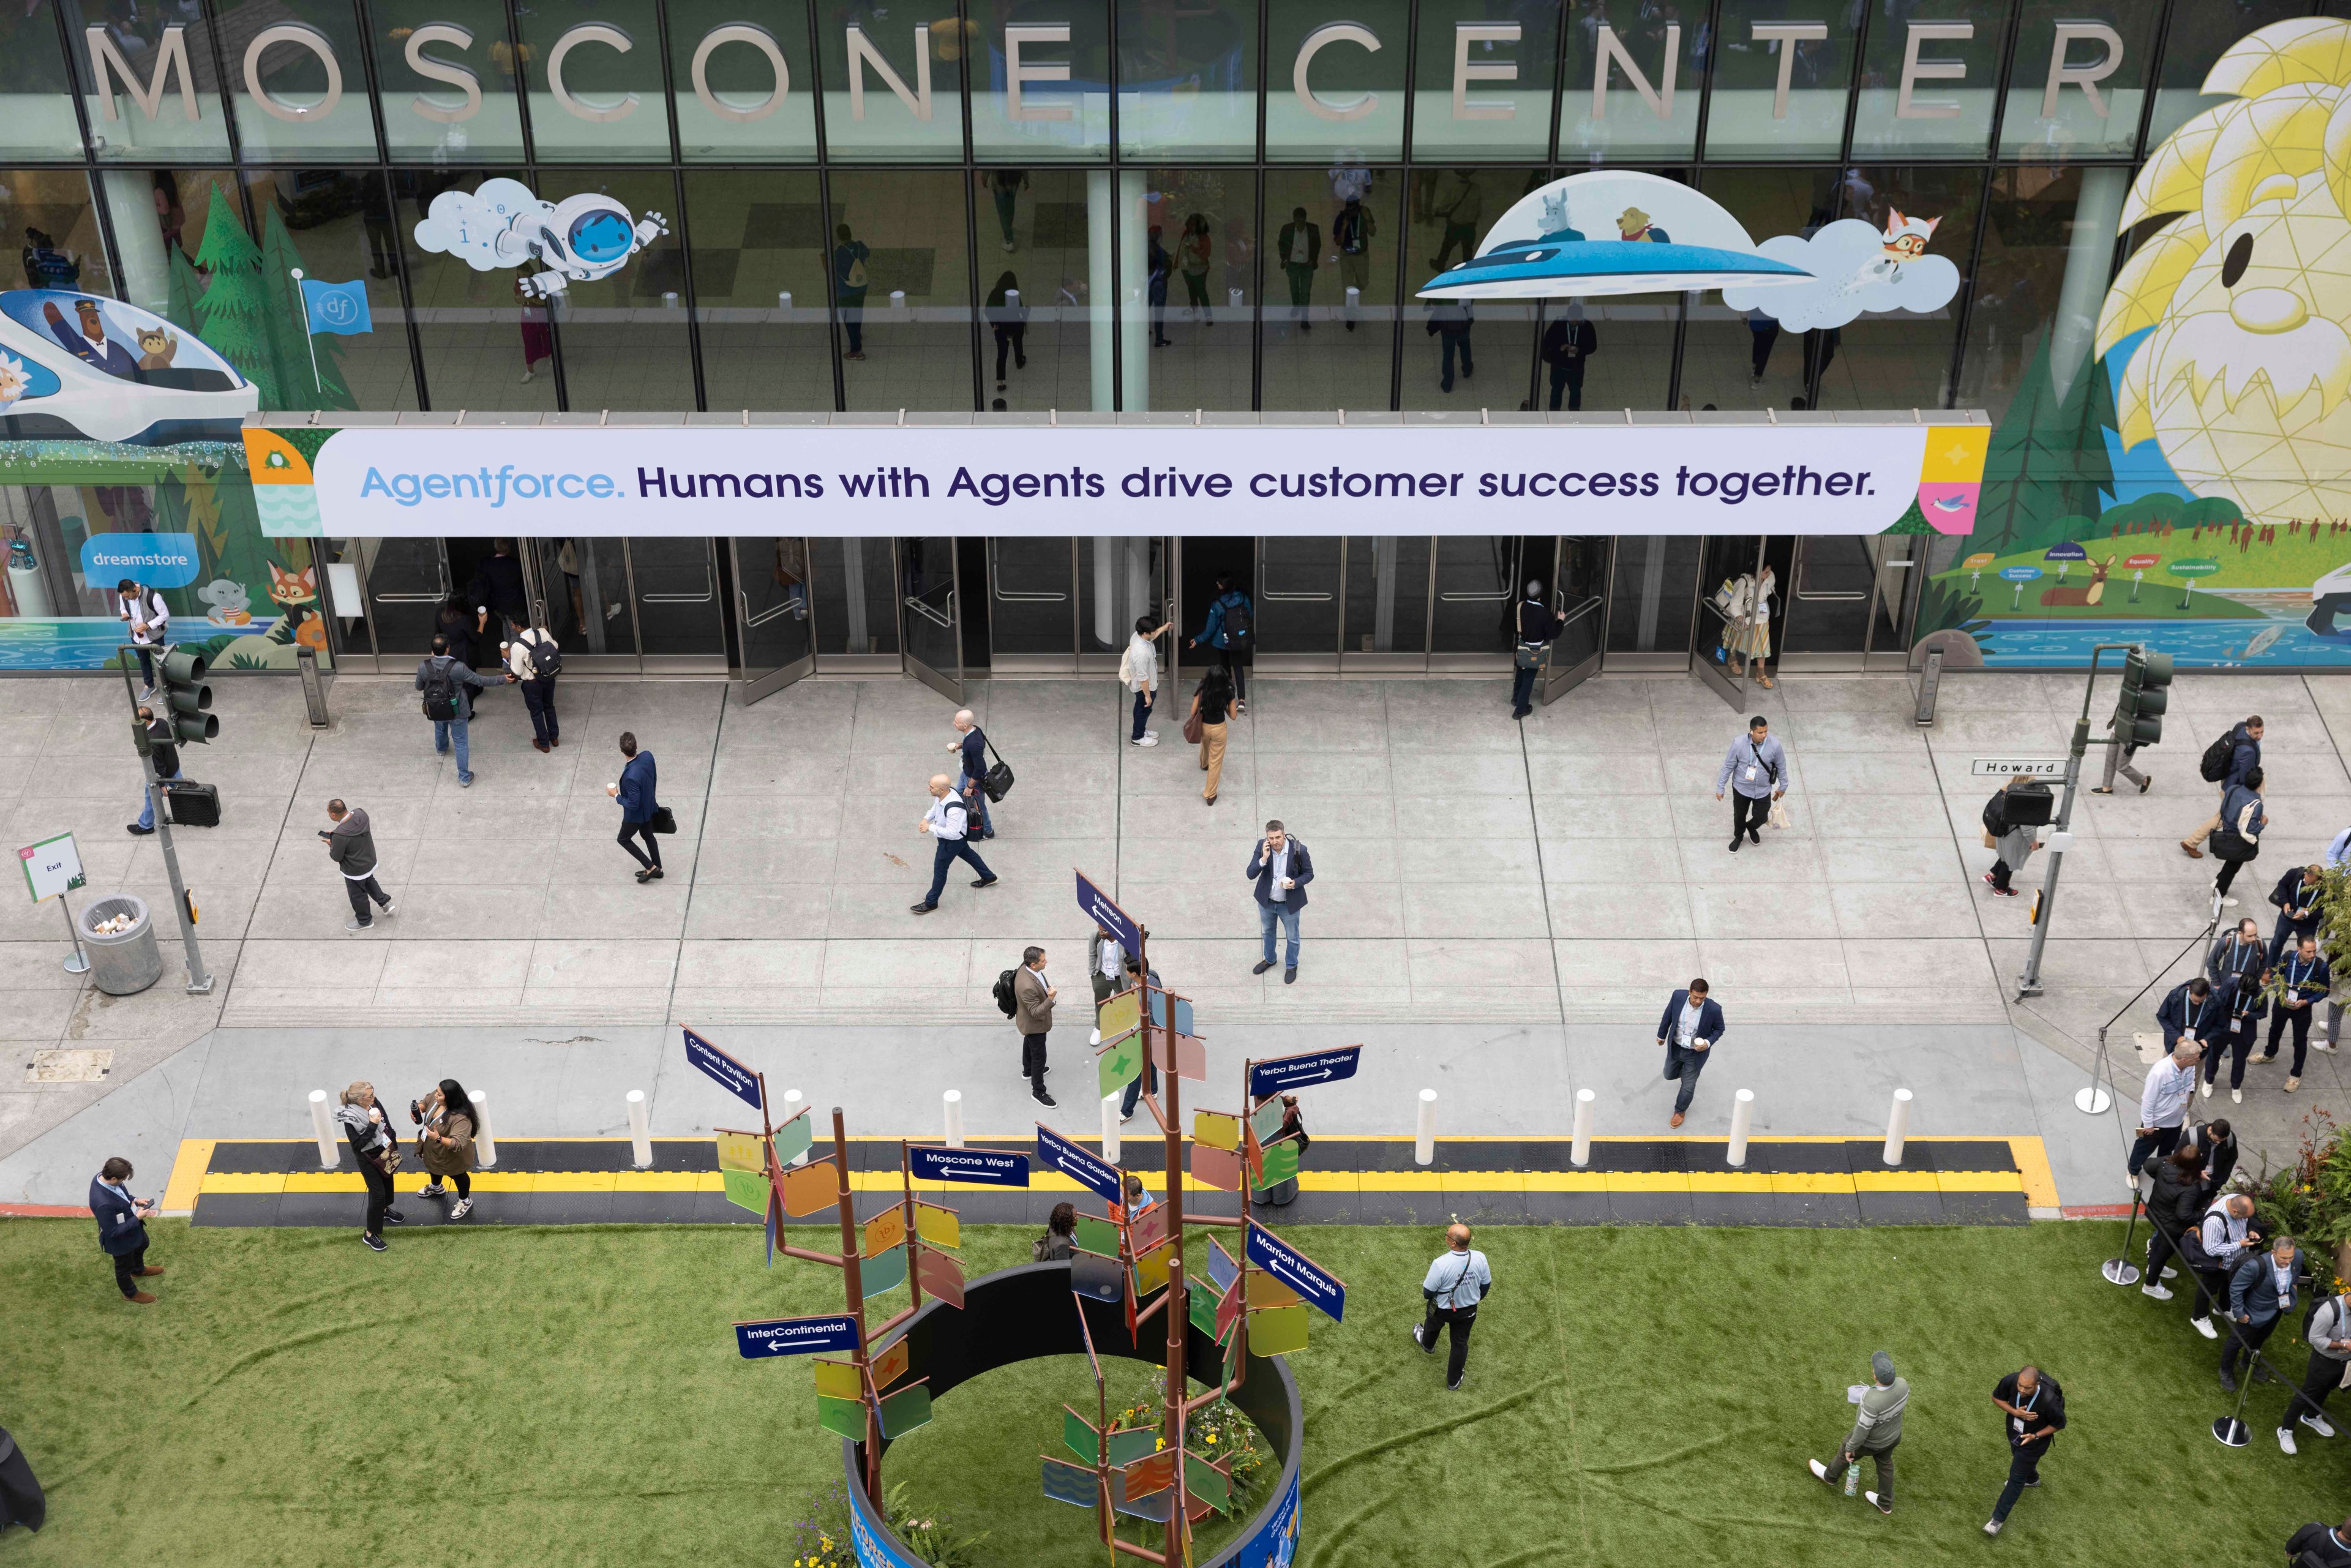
pixel 2329 1334
pixel 351 847
pixel 1876 1432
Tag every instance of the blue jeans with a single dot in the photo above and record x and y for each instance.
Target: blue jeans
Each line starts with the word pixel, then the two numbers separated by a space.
pixel 147 802
pixel 1522 688
pixel 950 851
pixel 1684 1065
pixel 443 728
pixel 1142 711
pixel 1287 914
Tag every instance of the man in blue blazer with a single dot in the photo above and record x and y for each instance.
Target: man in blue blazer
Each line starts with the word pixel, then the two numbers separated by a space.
pixel 121 1226
pixel 1689 1030
pixel 1281 868
pixel 634 791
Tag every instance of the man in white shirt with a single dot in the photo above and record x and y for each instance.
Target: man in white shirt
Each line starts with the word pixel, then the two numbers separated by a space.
pixel 1454 1286
pixel 149 619
pixel 947 820
pixel 1140 670
pixel 524 668
pixel 2163 1104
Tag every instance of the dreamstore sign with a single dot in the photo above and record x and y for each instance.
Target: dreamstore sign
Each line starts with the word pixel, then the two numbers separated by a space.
pixel 865 480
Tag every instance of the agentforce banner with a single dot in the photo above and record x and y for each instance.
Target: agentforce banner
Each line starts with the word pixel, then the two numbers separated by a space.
pixel 1026 480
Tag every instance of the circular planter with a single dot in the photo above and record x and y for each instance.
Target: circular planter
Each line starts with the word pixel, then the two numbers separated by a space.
pixel 1019 1314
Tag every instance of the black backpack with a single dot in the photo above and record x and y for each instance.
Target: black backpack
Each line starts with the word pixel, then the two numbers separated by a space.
pixel 545 658
pixel 1236 620
pixel 440 689
pixel 2214 766
pixel 1007 1000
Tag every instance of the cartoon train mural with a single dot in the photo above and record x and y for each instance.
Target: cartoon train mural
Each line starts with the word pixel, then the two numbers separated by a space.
pixel 83 367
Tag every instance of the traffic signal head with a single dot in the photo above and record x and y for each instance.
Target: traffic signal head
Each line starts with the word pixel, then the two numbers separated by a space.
pixel 2139 712
pixel 187 701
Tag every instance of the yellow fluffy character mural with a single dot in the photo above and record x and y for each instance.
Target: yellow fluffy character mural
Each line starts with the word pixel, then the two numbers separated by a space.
pixel 2245 381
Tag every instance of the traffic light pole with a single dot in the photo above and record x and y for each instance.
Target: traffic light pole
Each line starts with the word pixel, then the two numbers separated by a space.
pixel 2029 983
pixel 200 979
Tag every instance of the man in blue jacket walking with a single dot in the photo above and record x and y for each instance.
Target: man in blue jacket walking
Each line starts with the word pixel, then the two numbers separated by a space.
pixel 1689 1030
pixel 634 792
pixel 122 1226
pixel 1229 631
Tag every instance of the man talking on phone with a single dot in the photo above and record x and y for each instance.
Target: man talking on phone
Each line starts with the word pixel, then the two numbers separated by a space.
pixel 1281 868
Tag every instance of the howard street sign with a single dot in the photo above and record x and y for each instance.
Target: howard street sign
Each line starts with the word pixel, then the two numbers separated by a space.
pixel 732 1075
pixel 794 1336
pixel 1295 1072
pixel 2018 768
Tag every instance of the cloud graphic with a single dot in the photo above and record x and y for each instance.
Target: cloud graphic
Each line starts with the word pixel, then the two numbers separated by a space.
pixel 470 226
pixel 1854 276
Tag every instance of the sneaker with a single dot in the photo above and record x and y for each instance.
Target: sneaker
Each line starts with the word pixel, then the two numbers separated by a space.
pixel 2285 1439
pixel 1735 842
pixel 2224 900
pixel 390 910
pixel 1042 1097
pixel 357 925
pixel 2157 1292
pixel 1125 1116
pixel 1262 968
pixel 135 831
pixel 1881 1504
pixel 2265 1059
pixel 433 1189
pixel 2228 1381
pixel 394 1216
pixel 1992 1526
pixel 2291 1084
pixel 2236 1096
pixel 148 695
pixel 1148 740
pixel 2319 1424
pixel 2170 1272
pixel 1820 1472
pixel 987 881
pixel 374 1243
pixel 1454 1387
pixel 2204 1326
pixel 1416 1338
pixel 2206 1089
pixel 462 1207
pixel 2004 892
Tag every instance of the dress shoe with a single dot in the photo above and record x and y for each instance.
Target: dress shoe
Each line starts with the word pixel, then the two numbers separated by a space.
pixel 1262 968
pixel 541 744
pixel 2193 853
pixel 142 1299
pixel 1735 842
pixel 151 1270
pixel 135 831
pixel 1675 1120
pixel 1289 976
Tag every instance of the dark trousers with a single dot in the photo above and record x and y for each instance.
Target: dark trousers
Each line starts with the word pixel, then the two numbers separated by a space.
pixel 1456 1321
pixel 1012 339
pixel 1455 342
pixel 2161 1142
pixel 1748 815
pixel 1567 375
pixel 948 852
pixel 2285 935
pixel 2023 1471
pixel 1463 235
pixel 378 1195
pixel 853 319
pixel 1523 688
pixel 1883 1458
pixel 2211 1293
pixel 2281 1017
pixel 2001 874
pixel 1142 711
pixel 2319 1379
pixel 1301 287
pixel 2161 1248
pixel 463 1181
pixel 2228 874
pixel 127 1268
pixel 146 666
pixel 1684 1065
pixel 1765 335
pixel 1032 1060
pixel 2243 1340
pixel 538 696
pixel 642 831
pixel 362 890
pixel 1147 1079
pixel 2237 1046
pixel 1237 668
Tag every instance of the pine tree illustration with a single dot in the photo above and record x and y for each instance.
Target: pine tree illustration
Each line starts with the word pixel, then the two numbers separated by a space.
pixel 233 313
pixel 1913 521
pixel 186 287
pixel 288 317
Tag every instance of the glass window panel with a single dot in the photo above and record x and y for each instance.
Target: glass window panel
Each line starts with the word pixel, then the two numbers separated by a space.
pixel 1082 101
pixel 191 258
pixel 36 112
pixel 1299 595
pixel 624 337
pixel 1734 359
pixel 889 128
pixel 2048 249
pixel 1204 217
pixel 297 80
pixel 63 248
pixel 2078 127
pixel 1505 116
pixel 1029 604
pixel 337 227
pixel 1315 356
pixel 1347 79
pixel 856 608
pixel 758 239
pixel 1745 119
pixel 1667 35
pixel 1476 593
pixel 1629 354
pixel 2197 36
pixel 906 329
pixel 1449 210
pixel 1651 594
pixel 482 346
pixel 678 610
pixel 742 80
pixel 1900 360
pixel 1387 593
pixel 121 132
pixel 1035 243
pixel 415 106
pixel 1188 79
pixel 615 108
pixel 1948 115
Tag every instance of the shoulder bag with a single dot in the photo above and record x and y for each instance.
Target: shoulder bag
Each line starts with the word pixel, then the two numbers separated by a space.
pixel 997 782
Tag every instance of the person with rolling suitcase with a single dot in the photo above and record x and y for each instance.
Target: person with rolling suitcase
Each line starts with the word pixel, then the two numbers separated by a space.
pixel 163 755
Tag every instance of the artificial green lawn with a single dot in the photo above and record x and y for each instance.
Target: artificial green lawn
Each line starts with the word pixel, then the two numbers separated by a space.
pixel 1642 1395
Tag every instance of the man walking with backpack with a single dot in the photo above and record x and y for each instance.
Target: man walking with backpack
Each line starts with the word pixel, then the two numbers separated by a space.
pixel 1029 999
pixel 2225 763
pixel 449 685
pixel 949 822
pixel 533 661
pixel 1230 630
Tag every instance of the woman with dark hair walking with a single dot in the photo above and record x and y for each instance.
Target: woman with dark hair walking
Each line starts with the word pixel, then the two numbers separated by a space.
pixel 446 1144
pixel 1008 317
pixel 377 1148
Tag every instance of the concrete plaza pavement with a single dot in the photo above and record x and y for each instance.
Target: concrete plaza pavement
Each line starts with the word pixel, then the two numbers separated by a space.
pixel 1499 911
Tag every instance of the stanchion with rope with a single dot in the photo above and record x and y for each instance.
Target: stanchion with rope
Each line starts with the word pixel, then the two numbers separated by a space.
pixel 2093 1101
pixel 2122 1271
pixel 2232 1429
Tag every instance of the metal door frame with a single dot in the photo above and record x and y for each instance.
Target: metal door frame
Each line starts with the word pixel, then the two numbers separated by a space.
pixel 1730 688
pixel 949 686
pixel 749 688
pixel 1557 682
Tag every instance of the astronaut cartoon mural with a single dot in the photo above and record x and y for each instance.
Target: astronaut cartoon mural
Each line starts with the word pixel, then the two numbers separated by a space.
pixel 502 224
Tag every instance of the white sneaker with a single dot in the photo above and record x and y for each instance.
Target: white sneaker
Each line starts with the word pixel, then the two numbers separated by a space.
pixel 2236 1096
pixel 525 378
pixel 2320 1425
pixel 2170 1272
pixel 1148 739
pixel 2225 901
pixel 2285 1438
pixel 2204 1326
pixel 433 1189
pixel 2320 1042
pixel 2208 1091
pixel 1992 1527
pixel 2158 1292
pixel 462 1207
pixel 1820 1470
pixel 1880 1507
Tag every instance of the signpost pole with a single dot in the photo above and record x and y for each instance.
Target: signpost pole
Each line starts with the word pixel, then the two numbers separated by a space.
pixel 200 981
pixel 913 1275
pixel 853 1284
pixel 1179 1314
pixel 79 962
pixel 2029 983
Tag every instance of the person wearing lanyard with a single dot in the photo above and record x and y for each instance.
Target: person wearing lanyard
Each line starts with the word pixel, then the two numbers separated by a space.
pixel 2240 951
pixel 2306 980
pixel 2261 1293
pixel 2329 1333
pixel 2243 1004
pixel 1755 771
pixel 947 822
pixel 2296 897
pixel 1454 1286
pixel 2035 1407
pixel 1536 626
pixel 2163 1104
pixel 1690 1028
pixel 2319 1543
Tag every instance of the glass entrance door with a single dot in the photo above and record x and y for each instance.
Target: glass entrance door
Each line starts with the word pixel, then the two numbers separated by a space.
pixel 1298 593
pixel 1849 599
pixel 1580 599
pixel 581 594
pixel 407 579
pixel 1733 621
pixel 771 608
pixel 927 601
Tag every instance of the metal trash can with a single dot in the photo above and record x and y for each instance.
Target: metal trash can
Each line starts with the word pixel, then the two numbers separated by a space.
pixel 129 961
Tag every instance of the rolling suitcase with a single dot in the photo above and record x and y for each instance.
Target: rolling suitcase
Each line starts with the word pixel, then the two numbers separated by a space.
pixel 193 805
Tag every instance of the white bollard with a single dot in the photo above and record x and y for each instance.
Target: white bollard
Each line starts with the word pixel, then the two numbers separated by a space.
pixel 1109 1127
pixel 898 300
pixel 641 1130
pixel 1354 303
pixel 670 300
pixel 1898 1126
pixel 1581 1154
pixel 793 1099
pixel 485 1146
pixel 322 1122
pixel 1234 296
pixel 954 1099
pixel 1424 1147
pixel 1742 1115
pixel 784 301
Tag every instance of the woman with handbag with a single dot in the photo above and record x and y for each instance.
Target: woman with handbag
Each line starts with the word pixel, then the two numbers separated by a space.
pixel 1207 724
pixel 377 1148
pixel 634 791
pixel 445 1144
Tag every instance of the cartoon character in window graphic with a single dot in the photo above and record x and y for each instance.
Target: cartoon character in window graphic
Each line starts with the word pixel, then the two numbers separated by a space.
pixel 580 239
pixel 1906 241
pixel 294 589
